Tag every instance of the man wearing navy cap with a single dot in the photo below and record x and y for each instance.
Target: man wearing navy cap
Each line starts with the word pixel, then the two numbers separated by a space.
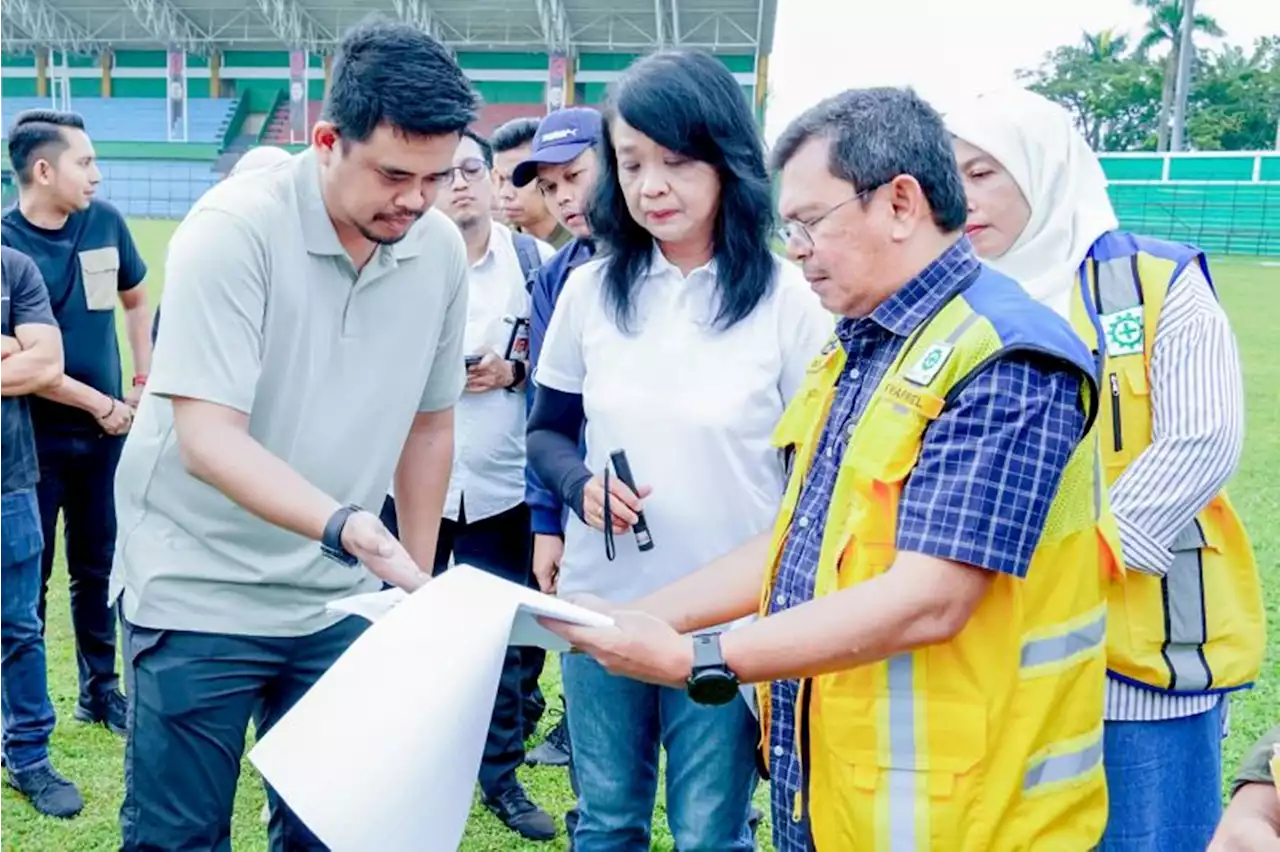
pixel 564 165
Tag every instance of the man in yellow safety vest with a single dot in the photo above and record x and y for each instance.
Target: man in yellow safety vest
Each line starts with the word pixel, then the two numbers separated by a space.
pixel 930 656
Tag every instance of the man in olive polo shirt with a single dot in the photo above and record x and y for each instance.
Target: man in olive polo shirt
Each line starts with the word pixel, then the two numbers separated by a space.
pixel 312 354
pixel 1251 822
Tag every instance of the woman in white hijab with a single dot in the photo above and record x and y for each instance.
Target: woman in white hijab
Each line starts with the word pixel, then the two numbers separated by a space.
pixel 1187 624
pixel 1037 195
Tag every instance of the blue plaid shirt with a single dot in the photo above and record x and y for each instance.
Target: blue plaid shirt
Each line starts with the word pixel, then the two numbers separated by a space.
pixel 979 494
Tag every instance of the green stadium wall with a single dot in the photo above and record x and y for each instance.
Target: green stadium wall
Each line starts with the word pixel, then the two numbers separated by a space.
pixel 500 77
pixel 1223 202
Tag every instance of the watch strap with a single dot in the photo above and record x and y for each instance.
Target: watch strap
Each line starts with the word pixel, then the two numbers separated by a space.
pixel 331 539
pixel 706 652
pixel 518 373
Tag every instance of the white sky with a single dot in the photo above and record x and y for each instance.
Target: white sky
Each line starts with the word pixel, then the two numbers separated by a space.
pixel 948 48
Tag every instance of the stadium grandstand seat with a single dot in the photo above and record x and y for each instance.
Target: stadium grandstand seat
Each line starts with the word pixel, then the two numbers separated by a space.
pixel 156 189
pixel 134 119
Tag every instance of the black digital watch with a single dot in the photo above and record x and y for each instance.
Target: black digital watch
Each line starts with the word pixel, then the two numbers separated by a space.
pixel 711 681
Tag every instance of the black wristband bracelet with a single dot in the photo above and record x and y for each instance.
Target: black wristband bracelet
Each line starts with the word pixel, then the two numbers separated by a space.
pixel 518 373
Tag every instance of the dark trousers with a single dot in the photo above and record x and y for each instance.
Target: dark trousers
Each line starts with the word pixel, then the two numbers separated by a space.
pixel 191 696
pixel 77 478
pixel 27 712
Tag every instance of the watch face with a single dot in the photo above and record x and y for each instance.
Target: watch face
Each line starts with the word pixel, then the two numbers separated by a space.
pixel 713 687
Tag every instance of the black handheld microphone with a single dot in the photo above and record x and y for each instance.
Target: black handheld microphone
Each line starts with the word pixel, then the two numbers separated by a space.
pixel 620 466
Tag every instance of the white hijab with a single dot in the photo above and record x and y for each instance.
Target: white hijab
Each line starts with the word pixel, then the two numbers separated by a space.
pixel 1037 143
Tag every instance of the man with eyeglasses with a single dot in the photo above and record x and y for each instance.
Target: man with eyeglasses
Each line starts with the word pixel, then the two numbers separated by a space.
pixel 930 651
pixel 486 520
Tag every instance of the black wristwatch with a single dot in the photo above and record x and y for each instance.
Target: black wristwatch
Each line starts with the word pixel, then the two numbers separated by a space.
pixel 331 540
pixel 711 681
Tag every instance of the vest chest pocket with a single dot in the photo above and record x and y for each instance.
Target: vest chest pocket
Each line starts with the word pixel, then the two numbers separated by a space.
pixel 100 272
pixel 883 452
pixel 1128 410
pixel 800 425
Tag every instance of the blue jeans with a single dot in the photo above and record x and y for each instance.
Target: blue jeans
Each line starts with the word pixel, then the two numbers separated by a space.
pixel 27 711
pixel 1164 783
pixel 617 725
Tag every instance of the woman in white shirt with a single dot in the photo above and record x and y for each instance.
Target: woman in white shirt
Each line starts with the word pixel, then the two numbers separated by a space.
pixel 681 344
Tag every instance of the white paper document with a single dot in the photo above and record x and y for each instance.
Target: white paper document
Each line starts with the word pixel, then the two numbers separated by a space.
pixel 383 752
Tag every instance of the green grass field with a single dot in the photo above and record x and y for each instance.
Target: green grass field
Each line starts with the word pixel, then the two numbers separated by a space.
pixel 93 758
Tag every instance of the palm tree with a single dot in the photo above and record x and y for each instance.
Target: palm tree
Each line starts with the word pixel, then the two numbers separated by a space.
pixel 1105 45
pixel 1165 25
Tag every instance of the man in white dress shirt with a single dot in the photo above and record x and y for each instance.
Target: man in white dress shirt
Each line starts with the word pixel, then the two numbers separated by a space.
pixel 486 521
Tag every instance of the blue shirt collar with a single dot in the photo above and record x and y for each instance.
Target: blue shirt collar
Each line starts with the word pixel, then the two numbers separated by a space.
pixel 921 297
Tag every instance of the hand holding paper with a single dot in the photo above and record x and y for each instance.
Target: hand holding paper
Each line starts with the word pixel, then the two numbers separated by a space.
pixel 383 752
pixel 637 645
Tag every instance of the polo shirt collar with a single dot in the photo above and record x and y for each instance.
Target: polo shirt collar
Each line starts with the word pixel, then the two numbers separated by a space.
pixel 317 228
pixel 497 231
pixel 659 265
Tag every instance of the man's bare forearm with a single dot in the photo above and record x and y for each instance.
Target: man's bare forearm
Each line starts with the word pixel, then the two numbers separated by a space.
pixel 77 394
pixel 219 451
pixel 31 371
pixel 725 590
pixel 422 481
pixel 920 601
pixel 1257 802
pixel 137 324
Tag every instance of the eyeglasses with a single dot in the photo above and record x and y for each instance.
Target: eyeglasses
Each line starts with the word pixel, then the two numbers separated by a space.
pixel 802 231
pixel 472 169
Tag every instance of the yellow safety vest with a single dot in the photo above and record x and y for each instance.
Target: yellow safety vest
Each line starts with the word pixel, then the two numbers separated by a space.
pixel 993 740
pixel 1201 628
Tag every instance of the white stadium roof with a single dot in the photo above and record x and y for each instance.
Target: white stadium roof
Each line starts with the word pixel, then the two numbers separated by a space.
pixel 88 26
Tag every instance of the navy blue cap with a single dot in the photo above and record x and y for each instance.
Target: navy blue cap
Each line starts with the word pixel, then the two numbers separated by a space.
pixel 562 136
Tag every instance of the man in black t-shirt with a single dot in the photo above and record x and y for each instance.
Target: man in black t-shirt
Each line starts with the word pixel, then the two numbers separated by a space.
pixel 32 357
pixel 89 261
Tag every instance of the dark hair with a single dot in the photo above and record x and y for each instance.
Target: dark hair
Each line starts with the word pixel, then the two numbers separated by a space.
pixel 394 73
pixel 486 149
pixel 878 134
pixel 38 134
pixel 688 102
pixel 513 134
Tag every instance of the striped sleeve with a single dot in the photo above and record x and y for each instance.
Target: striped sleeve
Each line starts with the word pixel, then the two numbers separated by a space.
pixel 1197 403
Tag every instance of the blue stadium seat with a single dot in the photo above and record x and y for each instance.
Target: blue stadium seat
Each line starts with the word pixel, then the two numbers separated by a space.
pixel 133 119
pixel 157 189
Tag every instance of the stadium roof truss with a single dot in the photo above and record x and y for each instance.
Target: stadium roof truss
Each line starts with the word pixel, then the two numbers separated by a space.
pixel 88 26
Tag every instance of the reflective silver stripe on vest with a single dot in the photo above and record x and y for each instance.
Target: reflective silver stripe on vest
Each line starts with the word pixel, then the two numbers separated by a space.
pixel 1052 649
pixel 1118 287
pixel 1183 589
pixel 902 754
pixel 1063 767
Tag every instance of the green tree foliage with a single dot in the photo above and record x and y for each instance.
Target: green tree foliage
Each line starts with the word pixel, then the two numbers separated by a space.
pixel 1119 99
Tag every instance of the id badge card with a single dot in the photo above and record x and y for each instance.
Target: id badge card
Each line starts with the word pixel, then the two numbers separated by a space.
pixel 518 340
